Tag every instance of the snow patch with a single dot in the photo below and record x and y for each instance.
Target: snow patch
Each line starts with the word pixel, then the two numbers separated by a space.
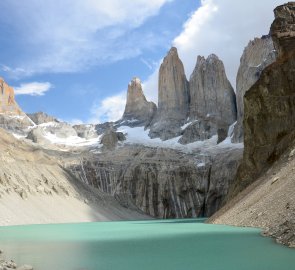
pixel 186 125
pixel 72 140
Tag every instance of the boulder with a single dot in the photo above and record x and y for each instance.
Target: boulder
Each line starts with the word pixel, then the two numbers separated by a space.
pixel 111 138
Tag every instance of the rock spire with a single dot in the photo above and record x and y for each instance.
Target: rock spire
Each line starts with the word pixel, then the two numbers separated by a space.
pixel 138 111
pixel 173 98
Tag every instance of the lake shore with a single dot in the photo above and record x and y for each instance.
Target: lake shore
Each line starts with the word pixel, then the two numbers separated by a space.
pixel 268 203
pixel 10 264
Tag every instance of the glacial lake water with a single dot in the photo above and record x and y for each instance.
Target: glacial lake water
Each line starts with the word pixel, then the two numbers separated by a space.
pixel 144 245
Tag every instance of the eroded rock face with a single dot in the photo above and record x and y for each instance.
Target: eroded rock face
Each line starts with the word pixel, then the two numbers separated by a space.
pixel 162 182
pixel 41 118
pixel 138 111
pixel 8 104
pixel 269 119
pixel 283 29
pixel 173 99
pixel 211 93
pixel 258 54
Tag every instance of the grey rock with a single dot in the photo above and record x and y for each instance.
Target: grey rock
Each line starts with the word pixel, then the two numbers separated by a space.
pixel 9 265
pixel 204 129
pixel 162 182
pixel 222 133
pixel 86 131
pixel 258 54
pixel 138 111
pixel 269 113
pixel 37 135
pixel 121 136
pixel 211 93
pixel 284 233
pixel 16 124
pixel 41 118
pixel 61 130
pixel 111 138
pixel 199 130
pixel 282 29
pixel 102 128
pixel 173 98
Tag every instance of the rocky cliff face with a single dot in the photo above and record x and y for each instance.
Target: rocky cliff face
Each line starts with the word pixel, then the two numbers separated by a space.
pixel 211 94
pixel 173 100
pixel 11 116
pixel 283 29
pixel 138 111
pixel 162 182
pixel 8 104
pixel 269 119
pixel 258 54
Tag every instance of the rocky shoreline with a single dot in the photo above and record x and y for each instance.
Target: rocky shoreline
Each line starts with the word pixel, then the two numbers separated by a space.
pixel 7 265
pixel 283 233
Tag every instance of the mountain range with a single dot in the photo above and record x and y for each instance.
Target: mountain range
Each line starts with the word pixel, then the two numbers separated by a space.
pixel 202 148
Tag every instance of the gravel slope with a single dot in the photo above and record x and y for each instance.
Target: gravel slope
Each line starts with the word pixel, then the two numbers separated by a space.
pixel 35 188
pixel 269 203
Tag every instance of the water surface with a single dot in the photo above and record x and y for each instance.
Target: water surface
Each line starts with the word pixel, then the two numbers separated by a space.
pixel 144 245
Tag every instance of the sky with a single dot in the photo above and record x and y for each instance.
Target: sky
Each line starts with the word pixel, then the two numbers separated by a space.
pixel 73 59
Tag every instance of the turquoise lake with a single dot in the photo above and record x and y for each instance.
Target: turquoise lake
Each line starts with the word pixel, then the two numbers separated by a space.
pixel 144 245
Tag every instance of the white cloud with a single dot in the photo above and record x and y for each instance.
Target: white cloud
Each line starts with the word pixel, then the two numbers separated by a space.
pixel 33 88
pixel 71 35
pixel 224 27
pixel 109 109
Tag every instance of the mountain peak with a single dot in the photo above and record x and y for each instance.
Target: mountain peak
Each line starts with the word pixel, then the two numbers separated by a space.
pixel 138 111
pixel 8 104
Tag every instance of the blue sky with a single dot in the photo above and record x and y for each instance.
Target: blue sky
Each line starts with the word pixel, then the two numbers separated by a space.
pixel 100 65
pixel 74 58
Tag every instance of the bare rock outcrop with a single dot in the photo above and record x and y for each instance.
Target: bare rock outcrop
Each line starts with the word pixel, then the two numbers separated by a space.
pixel 258 54
pixel 163 183
pixel 173 99
pixel 283 29
pixel 211 94
pixel 8 104
pixel 12 117
pixel 45 133
pixel 138 111
pixel 111 138
pixel 269 117
pixel 41 118
pixel 86 131
pixel 199 130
